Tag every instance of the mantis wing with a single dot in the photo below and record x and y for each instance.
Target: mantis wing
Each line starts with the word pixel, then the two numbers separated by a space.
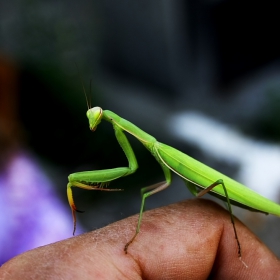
pixel 203 176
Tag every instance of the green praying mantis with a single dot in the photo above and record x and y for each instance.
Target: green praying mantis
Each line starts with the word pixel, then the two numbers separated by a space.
pixel 198 177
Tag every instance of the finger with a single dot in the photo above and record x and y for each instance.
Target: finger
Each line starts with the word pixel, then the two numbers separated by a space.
pixel 188 240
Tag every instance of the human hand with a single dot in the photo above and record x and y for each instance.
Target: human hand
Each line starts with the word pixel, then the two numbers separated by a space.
pixel 193 239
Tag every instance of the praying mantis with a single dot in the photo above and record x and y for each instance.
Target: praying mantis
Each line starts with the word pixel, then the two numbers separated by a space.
pixel 198 177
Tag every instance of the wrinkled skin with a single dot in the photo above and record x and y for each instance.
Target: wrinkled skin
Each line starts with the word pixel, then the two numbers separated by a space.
pixel 188 240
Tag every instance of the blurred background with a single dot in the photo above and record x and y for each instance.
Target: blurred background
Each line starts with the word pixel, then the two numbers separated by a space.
pixel 201 76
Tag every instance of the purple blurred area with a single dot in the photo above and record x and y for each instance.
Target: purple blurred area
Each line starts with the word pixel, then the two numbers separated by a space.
pixel 31 215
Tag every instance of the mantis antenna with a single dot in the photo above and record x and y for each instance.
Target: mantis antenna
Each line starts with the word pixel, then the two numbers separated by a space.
pixel 84 90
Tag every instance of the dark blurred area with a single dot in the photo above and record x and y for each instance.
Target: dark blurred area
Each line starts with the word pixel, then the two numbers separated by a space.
pixel 147 60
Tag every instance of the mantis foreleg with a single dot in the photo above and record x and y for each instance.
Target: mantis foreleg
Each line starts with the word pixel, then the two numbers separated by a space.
pixel 96 180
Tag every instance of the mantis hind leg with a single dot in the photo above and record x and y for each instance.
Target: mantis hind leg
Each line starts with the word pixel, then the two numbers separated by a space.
pixel 208 189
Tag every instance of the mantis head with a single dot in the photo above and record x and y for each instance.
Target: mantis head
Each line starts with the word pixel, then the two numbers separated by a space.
pixel 94 116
